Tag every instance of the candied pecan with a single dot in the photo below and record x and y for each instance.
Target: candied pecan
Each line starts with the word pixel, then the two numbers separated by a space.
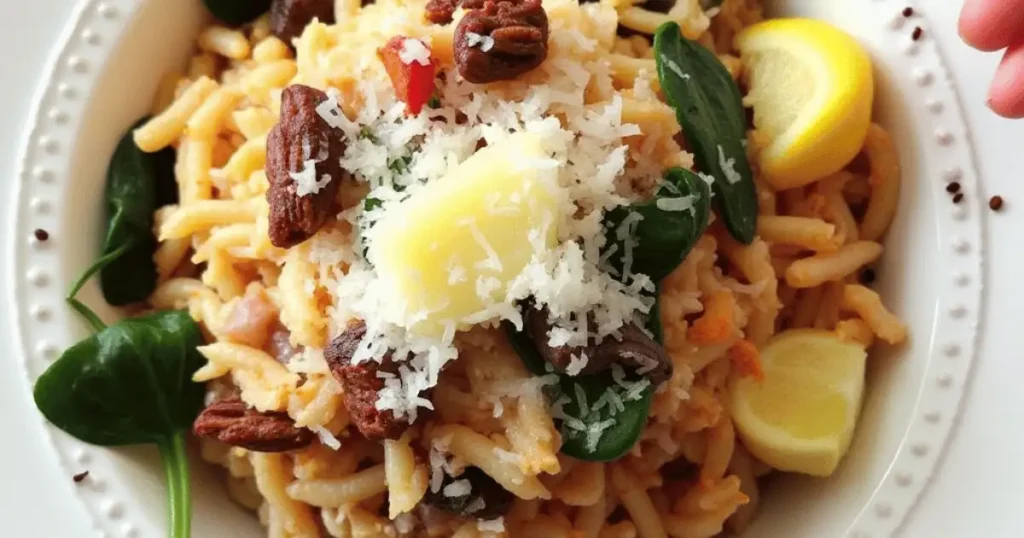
pixel 634 349
pixel 500 39
pixel 288 18
pixel 486 499
pixel 301 138
pixel 362 385
pixel 232 422
pixel 441 11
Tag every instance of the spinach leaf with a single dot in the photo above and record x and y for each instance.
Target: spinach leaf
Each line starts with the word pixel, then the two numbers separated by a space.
pixel 237 12
pixel 615 431
pixel 166 184
pixel 709 108
pixel 131 383
pixel 127 270
pixel 670 224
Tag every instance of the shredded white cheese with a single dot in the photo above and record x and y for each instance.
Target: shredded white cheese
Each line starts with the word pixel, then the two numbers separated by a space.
pixel 306 182
pixel 588 157
pixel 485 42
pixel 326 437
pixel 477 505
pixel 413 50
pixel 494 525
pixel 728 167
pixel 576 364
pixel 674 67
pixel 459 488
pixel 595 431
pixel 684 203
pixel 438 468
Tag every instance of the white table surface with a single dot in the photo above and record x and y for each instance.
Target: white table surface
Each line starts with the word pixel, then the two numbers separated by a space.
pixel 979 491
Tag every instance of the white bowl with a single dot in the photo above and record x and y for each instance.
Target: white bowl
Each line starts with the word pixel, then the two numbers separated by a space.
pixel 103 80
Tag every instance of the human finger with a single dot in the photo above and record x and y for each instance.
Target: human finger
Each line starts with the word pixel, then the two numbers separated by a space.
pixel 991 25
pixel 1006 95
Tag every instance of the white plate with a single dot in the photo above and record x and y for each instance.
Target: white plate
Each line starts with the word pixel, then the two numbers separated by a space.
pixel 104 77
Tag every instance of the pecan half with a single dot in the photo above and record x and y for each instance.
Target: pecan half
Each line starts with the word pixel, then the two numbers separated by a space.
pixel 500 39
pixel 635 349
pixel 299 140
pixel 234 423
pixel 441 11
pixel 362 385
pixel 288 18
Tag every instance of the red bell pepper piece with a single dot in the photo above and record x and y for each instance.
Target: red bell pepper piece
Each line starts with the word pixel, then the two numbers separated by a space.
pixel 413 81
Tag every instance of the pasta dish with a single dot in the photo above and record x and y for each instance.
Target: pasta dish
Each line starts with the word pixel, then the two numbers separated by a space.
pixel 516 268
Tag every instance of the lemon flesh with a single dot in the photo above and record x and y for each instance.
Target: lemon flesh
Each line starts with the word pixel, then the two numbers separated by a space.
pixel 801 417
pixel 450 250
pixel 812 88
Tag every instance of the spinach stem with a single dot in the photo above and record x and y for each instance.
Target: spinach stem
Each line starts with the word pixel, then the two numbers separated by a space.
pixel 89 315
pixel 85 311
pixel 179 502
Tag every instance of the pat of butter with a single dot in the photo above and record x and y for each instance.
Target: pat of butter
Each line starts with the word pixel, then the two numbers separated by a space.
pixel 450 251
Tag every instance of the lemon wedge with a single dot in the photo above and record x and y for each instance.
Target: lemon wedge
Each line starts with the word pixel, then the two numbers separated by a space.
pixel 801 416
pixel 811 87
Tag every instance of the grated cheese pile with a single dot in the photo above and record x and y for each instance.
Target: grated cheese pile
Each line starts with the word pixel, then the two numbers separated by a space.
pixel 569 103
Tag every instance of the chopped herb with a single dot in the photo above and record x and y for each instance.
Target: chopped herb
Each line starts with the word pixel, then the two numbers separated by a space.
pixel 367 133
pixel 434 102
pixel 400 165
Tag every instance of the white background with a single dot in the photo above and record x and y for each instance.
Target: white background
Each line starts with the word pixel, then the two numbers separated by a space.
pixel 979 491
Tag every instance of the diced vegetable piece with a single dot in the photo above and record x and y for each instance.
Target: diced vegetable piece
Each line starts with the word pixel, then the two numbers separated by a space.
pixel 411 69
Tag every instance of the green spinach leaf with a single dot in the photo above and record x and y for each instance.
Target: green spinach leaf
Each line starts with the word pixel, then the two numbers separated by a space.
pixel 130 383
pixel 166 184
pixel 709 108
pixel 604 434
pixel 667 228
pixel 127 271
pixel 237 12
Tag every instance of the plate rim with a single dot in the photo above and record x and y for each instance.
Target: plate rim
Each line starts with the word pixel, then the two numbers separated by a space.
pixel 97 26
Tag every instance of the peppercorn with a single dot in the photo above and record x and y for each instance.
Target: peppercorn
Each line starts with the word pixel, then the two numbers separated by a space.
pixel 995 203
